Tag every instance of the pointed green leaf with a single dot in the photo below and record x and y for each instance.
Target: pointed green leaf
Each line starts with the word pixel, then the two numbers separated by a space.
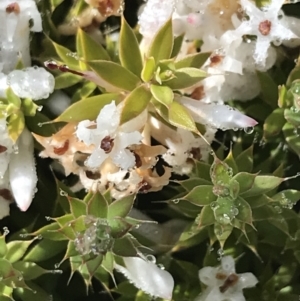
pixel 119 227
pixel 13 98
pixel 245 211
pixel 245 180
pixel 129 51
pixel 29 108
pixel 97 206
pixel 148 69
pixel 177 45
pixel 78 207
pixel 124 247
pixel 244 160
pixel 258 201
pixel 163 94
pixel 16 125
pixel 29 270
pixel 222 233
pixel 87 108
pixel 93 265
pixel 66 80
pixel 50 232
pixel 274 123
pixel 88 49
pixel 191 183
pixel 162 44
pixel 180 117
pixel 16 249
pixel 185 78
pixel 230 161
pixel 206 217
pixel 3 246
pixel 201 196
pixel 263 184
pixel 115 74
pixel 121 208
pixel 195 60
pixel 135 103
pixel 66 56
pixel 287 198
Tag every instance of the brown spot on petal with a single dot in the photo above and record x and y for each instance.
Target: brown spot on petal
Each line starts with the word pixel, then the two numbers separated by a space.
pixel 265 27
pixel 221 276
pixel 61 150
pixel 13 8
pixel 2 149
pixel 107 144
pixel 215 60
pixel 196 153
pixel 198 93
pixel 6 194
pixel 93 175
pixel 231 280
pixel 138 160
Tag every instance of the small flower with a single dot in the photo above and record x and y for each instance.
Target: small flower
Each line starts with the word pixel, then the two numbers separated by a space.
pixel 148 277
pixel 223 284
pixel 109 140
pixel 216 115
pixel 266 25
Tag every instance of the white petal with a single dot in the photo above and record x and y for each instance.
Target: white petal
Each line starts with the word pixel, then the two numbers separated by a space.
pixel 108 118
pixel 148 277
pixel 207 275
pixel 96 158
pixel 228 264
pixel 126 139
pixel 247 280
pixel 22 172
pixel 217 115
pixel 123 158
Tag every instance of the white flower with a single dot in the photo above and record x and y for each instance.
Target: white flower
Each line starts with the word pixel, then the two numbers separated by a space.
pixel 22 171
pixel 110 140
pixel 146 276
pixel 264 24
pixel 16 18
pixel 223 284
pixel 216 115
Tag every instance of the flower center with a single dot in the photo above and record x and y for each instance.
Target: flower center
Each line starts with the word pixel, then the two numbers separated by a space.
pixel 230 281
pixel 61 150
pixel 107 144
pixel 265 27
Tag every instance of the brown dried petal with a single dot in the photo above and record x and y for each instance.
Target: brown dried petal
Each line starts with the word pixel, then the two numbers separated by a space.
pixel 2 149
pixel 231 280
pixel 61 150
pixel 6 194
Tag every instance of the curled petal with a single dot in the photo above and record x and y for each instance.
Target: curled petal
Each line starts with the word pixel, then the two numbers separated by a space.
pixel 228 264
pixel 148 277
pixel 217 115
pixel 247 280
pixel 22 172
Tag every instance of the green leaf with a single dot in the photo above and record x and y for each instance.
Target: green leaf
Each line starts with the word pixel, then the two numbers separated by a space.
pixel 3 246
pixel 201 195
pixel 191 183
pixel 78 207
pixel 229 160
pixel 16 125
pixel 244 160
pixel 274 123
pixel 245 180
pixel 50 232
pixel 66 56
pixel 119 227
pixel 245 211
pixel 129 51
pixel 180 117
pixel 135 103
pixel 29 108
pixel 291 137
pixel 185 78
pixel 177 45
pixel 115 75
pixel 258 201
pixel 162 44
pixel 148 69
pixel 66 80
pixel 292 117
pixel 16 249
pixel 124 247
pixel 88 49
pixel 121 208
pixel 163 94
pixel 206 217
pixel 13 98
pixel 195 60
pixel 263 184
pixel 97 206
pixel 29 270
pixel 87 108
pixel 222 233
pixel 287 198
pixel 269 89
